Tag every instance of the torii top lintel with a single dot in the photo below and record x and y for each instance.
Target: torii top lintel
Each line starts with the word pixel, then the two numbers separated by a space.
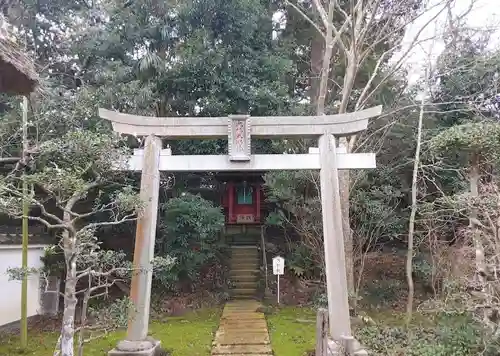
pixel 255 126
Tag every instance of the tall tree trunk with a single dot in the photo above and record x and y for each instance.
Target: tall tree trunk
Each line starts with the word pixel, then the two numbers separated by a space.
pixel 343 175
pixel 68 322
pixel 317 53
pixel 345 185
pixel 480 275
pixel 83 318
pixel 70 301
pixel 474 177
pixel 345 178
pixel 325 63
pixel 325 73
pixel 411 228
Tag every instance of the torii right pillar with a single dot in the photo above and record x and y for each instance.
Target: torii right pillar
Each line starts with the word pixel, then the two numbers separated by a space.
pixel 333 237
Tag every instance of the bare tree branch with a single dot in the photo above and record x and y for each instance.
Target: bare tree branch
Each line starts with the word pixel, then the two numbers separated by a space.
pixel 305 17
pixel 129 217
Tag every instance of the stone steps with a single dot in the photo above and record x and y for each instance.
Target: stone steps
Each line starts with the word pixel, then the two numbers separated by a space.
pixel 242 331
pixel 243 276
pixel 244 240
pixel 235 266
pixel 246 284
pixel 245 258
pixel 243 350
pixel 244 271
pixel 240 292
pixel 238 260
pixel 244 248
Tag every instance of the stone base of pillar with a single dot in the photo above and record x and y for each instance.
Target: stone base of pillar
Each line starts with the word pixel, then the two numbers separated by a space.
pixel 353 348
pixel 148 347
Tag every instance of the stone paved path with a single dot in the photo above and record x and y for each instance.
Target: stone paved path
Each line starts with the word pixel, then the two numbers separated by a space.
pixel 242 330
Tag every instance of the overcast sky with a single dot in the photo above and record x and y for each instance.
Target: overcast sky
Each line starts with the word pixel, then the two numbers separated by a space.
pixel 484 15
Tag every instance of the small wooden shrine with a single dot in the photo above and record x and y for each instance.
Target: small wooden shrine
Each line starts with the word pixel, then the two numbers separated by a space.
pixel 242 197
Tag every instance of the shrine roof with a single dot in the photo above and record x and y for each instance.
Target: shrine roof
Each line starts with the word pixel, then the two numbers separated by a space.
pixel 17 71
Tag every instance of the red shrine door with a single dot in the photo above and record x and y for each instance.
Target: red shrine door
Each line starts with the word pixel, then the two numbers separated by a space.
pixel 242 201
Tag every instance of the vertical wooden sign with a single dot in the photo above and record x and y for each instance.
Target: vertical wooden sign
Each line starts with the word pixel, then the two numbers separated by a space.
pixel 239 138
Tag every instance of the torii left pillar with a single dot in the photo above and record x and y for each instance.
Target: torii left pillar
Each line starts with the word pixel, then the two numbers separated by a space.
pixel 137 341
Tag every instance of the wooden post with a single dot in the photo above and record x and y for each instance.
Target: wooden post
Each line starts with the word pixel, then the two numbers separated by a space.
pixel 140 291
pixel 257 202
pixel 338 305
pixel 24 255
pixel 230 203
pixel 264 257
pixel 322 332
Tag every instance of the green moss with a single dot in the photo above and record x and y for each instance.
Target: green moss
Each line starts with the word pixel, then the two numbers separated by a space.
pixel 38 344
pixel 292 331
pixel 397 318
pixel 190 335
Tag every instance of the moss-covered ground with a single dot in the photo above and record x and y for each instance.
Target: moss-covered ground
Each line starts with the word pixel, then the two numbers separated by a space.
pixel 292 330
pixel 189 335
pixel 292 333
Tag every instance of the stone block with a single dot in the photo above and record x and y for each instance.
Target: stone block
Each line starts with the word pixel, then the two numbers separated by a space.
pixel 148 347
pixel 335 349
pixel 242 349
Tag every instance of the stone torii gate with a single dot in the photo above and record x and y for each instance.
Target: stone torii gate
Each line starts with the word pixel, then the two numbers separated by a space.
pixel 239 129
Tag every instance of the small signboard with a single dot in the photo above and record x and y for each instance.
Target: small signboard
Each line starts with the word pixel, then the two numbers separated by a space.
pixel 278 265
pixel 244 218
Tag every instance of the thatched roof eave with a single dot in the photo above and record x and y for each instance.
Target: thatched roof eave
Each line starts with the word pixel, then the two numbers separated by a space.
pixel 18 75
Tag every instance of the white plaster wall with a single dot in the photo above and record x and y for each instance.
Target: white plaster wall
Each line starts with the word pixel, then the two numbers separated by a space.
pixel 10 291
